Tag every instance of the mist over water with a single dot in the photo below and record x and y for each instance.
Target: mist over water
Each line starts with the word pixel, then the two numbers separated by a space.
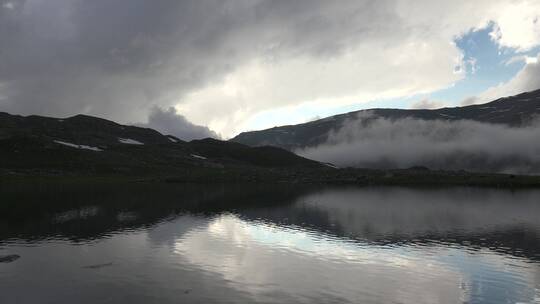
pixel 374 142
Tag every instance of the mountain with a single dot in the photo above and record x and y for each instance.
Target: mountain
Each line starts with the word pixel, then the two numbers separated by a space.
pixel 512 111
pixel 89 145
pixel 85 148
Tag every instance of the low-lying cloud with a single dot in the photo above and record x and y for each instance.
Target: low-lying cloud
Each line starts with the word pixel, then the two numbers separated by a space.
pixel 427 104
pixel 371 142
pixel 171 123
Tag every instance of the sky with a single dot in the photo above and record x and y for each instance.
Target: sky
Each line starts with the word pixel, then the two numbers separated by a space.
pixel 219 67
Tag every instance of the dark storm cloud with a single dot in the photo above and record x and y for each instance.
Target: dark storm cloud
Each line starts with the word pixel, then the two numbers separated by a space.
pixel 118 58
pixel 370 142
pixel 107 57
pixel 171 123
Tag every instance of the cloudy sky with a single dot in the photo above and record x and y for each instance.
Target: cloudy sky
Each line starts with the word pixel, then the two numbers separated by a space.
pixel 236 65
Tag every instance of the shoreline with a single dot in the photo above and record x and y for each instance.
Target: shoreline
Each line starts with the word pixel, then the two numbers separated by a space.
pixel 347 176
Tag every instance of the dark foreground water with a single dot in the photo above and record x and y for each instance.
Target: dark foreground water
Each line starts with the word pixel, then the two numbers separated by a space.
pixel 246 244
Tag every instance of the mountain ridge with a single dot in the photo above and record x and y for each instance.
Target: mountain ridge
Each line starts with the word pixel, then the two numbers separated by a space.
pixel 517 110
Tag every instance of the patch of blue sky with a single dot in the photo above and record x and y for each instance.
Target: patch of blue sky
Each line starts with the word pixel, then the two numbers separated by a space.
pixel 487 65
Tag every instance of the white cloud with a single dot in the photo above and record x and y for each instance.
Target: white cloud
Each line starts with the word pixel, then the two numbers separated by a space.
pixel 517 25
pixel 531 60
pixel 170 122
pixel 359 75
pixel 522 59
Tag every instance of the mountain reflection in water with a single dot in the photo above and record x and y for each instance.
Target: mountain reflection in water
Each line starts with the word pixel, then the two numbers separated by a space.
pixel 158 243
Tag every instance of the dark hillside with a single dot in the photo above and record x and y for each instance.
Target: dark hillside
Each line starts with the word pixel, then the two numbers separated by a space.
pixel 85 144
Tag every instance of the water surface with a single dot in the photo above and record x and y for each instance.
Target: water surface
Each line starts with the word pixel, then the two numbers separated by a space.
pixel 253 244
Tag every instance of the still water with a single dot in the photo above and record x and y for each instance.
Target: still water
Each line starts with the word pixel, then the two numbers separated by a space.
pixel 253 244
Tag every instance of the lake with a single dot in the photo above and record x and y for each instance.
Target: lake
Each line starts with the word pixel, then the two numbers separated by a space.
pixel 166 243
